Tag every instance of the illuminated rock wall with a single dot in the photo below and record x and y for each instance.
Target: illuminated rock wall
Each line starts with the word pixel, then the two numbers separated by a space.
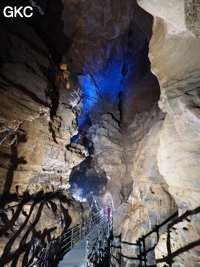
pixel 38 114
pixel 149 153
pixel 37 120
pixel 166 165
pixel 177 156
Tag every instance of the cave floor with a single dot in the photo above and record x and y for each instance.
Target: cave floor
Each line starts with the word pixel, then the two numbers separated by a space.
pixel 76 256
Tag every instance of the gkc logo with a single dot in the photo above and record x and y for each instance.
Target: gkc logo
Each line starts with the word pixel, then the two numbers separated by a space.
pixel 10 12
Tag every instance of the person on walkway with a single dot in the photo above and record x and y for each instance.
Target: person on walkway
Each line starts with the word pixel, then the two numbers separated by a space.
pixel 108 211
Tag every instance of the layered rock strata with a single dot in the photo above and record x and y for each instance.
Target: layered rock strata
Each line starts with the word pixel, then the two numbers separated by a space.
pixel 38 110
pixel 38 114
pixel 150 156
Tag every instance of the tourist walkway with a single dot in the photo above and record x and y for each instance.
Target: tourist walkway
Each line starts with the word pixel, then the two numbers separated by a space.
pixel 76 256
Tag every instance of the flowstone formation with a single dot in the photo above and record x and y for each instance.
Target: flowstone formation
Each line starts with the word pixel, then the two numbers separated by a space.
pixel 177 156
pixel 166 164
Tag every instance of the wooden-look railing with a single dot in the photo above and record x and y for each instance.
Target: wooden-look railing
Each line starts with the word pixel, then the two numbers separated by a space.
pixel 142 244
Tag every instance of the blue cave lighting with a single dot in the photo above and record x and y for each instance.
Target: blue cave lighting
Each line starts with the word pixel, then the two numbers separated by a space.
pixel 103 86
pixel 75 138
pixel 103 89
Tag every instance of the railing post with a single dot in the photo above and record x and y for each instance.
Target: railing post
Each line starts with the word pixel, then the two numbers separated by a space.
pixel 108 228
pixel 84 228
pixel 72 237
pixel 157 232
pixel 169 248
pixel 86 251
pixel 98 245
pixel 120 255
pixel 92 221
pixel 89 225
pixel 110 251
pixel 140 252
pixel 47 253
pixel 144 251
pixel 80 231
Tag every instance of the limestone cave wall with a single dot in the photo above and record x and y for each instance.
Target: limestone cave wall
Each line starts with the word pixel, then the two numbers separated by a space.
pixel 166 166
pixel 38 110
pixel 38 113
pixel 128 90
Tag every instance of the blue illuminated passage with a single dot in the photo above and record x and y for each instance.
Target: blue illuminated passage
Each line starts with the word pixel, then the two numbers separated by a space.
pixel 103 87
pixel 100 90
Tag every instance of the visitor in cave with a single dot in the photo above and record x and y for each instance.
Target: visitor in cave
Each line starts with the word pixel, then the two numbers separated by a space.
pixel 108 212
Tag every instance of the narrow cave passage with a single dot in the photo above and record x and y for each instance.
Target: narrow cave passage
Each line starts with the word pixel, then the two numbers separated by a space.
pixel 99 105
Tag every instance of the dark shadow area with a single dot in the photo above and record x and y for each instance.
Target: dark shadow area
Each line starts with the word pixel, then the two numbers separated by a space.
pixel 48 24
pixel 143 250
pixel 51 129
pixel 14 162
pixel 169 259
pixel 32 243
pixel 78 175
pixel 86 178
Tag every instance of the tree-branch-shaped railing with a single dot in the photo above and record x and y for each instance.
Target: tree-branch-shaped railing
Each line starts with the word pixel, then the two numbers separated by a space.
pixel 142 244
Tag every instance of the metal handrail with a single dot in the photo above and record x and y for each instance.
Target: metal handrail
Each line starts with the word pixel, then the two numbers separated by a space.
pixel 99 246
pixel 67 241
pixel 141 257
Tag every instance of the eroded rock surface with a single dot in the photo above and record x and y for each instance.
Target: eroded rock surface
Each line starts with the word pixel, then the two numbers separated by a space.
pixel 149 155
pixel 38 114
pixel 38 110
pixel 170 161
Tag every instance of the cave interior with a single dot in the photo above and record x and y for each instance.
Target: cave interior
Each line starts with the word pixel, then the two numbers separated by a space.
pixel 100 105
